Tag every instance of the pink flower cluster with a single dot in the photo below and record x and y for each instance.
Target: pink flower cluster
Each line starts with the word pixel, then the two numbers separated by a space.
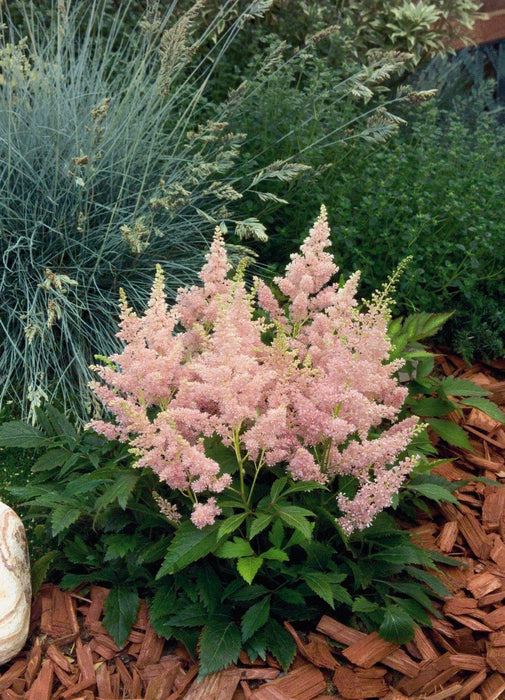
pixel 309 400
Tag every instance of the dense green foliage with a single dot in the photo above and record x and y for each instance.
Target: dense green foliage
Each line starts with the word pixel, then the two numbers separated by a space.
pixel 433 192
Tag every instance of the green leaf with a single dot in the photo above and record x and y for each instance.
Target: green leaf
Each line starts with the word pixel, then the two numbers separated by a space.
pixel 275 554
pixel 255 618
pixel 19 434
pixel 290 596
pixel 248 567
pixel 121 608
pixel 188 545
pixel 276 534
pixel 280 643
pixel 231 524
pixel 432 581
pixel 450 432
pixel 416 611
pixel 432 407
pixel 231 550
pixel 277 488
pixel 487 407
pixel 224 456
pixel 320 583
pixel 403 554
pixel 50 460
pixel 295 517
pixel 61 425
pixel 424 325
pixel 119 545
pixel 397 625
pixel 462 387
pixel 362 604
pixel 189 616
pixel 62 517
pixel 40 568
pixel 434 492
pixel 120 490
pixel 261 522
pixel 163 604
pixel 341 594
pixel 220 645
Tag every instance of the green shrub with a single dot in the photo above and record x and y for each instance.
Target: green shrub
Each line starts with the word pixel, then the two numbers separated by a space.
pixel 435 193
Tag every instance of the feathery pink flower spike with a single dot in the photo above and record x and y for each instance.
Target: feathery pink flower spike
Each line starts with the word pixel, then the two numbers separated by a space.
pixel 308 401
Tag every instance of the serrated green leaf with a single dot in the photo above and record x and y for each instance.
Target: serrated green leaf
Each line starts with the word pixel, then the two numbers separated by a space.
pixel 209 586
pixel 50 460
pixel 295 517
pixel 487 407
pixel 424 325
pixel 62 517
pixel 434 492
pixel 121 608
pixel 40 568
pixel 188 545
pixel 61 425
pixel 275 554
pixel 276 534
pixel 341 594
pixel 280 643
pixel 231 550
pixel 220 645
pixel 245 593
pixel 414 610
pixel 161 607
pixel 248 567
pixel 277 488
pixel 432 581
pixel 193 615
pixel 462 387
pixel 362 604
pixel 432 407
pixel 319 582
pixel 403 554
pixel 255 618
pixel 231 524
pixel 120 490
pixel 397 625
pixel 450 432
pixel 119 545
pixel 260 523
pixel 19 434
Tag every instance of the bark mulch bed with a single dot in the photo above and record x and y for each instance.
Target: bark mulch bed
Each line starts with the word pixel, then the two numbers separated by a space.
pixel 71 656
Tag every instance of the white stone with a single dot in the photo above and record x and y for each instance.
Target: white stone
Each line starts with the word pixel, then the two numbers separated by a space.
pixel 15 584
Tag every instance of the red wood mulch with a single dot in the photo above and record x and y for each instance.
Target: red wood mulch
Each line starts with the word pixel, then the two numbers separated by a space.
pixel 70 655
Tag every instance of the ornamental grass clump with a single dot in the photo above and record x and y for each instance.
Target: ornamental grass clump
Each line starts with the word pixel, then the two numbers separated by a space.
pixel 302 389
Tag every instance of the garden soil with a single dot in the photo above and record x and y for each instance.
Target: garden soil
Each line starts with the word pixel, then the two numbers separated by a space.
pixel 70 656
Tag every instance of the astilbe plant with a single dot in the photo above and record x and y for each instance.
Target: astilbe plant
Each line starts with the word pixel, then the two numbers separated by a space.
pixel 302 388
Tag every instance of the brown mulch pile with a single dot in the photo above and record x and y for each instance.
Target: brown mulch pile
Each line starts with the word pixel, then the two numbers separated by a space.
pixel 71 656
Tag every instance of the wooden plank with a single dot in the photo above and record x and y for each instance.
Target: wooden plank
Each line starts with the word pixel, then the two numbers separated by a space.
pixel 369 650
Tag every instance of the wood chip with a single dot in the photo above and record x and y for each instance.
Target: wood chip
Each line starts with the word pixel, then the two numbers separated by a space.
pixel 369 650
pixel 304 683
pixel 448 536
pixel 493 687
pixel 351 685
pixel 43 685
pixel 483 584
pixel 468 662
pixel 470 685
pixel 496 619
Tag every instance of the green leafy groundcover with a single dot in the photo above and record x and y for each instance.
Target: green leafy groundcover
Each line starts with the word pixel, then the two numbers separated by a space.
pixel 229 585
